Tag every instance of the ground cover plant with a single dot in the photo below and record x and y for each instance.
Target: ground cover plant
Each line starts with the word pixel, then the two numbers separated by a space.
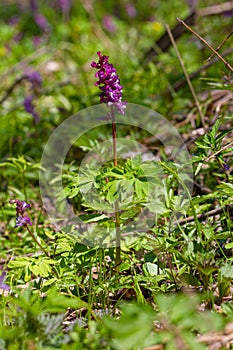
pixel 116 143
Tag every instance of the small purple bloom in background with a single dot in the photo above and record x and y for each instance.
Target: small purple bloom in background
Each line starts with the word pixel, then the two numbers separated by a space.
pixel 36 80
pixel 22 221
pixel 130 10
pixel 108 23
pixel 109 83
pixel 42 22
pixel 14 20
pixel 21 207
pixel 17 37
pixel 65 5
pixel 37 40
pixel 30 108
pixel 226 166
pixel 33 6
pixel 34 77
pixel 3 286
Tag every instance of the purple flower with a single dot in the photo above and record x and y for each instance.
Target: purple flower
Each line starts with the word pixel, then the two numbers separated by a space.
pixel 36 40
pixel 2 284
pixel 34 77
pixel 17 37
pixel 42 22
pixel 109 83
pixel 64 5
pixel 23 221
pixel 14 20
pixel 21 206
pixel 108 23
pixel 30 108
pixel 130 10
pixel 33 6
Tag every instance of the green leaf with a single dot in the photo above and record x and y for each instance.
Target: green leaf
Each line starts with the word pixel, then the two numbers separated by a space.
pixel 56 302
pixel 151 269
pixel 128 332
pixel 229 245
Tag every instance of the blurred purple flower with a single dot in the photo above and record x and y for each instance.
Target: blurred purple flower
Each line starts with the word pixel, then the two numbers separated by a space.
pixel 23 221
pixel 64 5
pixel 33 6
pixel 109 83
pixel 42 22
pixel 36 40
pixel 30 108
pixel 14 20
pixel 34 77
pixel 17 37
pixel 21 206
pixel 108 23
pixel 130 10
pixel 3 286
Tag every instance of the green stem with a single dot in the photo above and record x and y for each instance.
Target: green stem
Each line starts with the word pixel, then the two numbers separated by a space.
pixel 114 137
pixel 37 242
pixel 118 234
pixel 24 186
pixel 116 206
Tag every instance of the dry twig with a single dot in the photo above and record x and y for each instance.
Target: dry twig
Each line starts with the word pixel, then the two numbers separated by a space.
pixel 221 44
pixel 227 64
pixel 178 84
pixel 187 77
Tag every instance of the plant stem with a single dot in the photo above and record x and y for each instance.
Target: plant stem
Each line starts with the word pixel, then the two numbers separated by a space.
pixel 227 64
pixel 44 251
pixel 116 206
pixel 37 242
pixel 114 137
pixel 118 234
pixel 187 77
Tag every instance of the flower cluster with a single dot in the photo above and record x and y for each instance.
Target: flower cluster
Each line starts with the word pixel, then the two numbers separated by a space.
pixel 35 79
pixel 64 5
pixel 30 108
pixel 21 207
pixel 3 286
pixel 109 83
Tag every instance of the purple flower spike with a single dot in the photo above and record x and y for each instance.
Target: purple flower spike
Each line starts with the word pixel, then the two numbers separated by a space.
pixel 42 22
pixel 21 207
pixel 30 108
pixel 109 83
pixel 34 77
pixel 23 221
